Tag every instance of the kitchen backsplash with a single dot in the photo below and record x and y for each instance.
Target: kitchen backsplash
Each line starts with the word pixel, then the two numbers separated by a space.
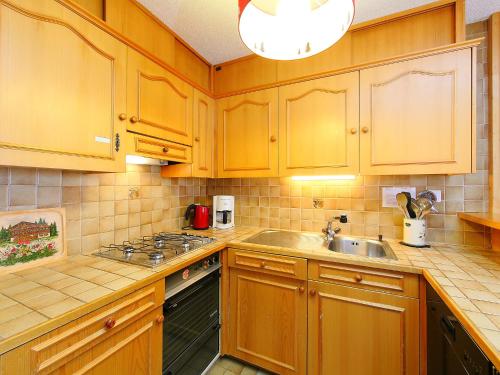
pixel 114 207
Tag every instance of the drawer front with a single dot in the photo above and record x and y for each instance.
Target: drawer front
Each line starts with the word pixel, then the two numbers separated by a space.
pixel 158 149
pixel 62 346
pixel 295 268
pixel 365 277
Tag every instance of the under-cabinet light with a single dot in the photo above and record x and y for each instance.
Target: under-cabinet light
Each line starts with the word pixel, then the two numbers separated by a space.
pixel 135 159
pixel 323 178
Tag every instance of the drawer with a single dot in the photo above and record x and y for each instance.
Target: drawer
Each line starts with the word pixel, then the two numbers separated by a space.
pixel 364 277
pixel 280 265
pixel 158 149
pixel 58 348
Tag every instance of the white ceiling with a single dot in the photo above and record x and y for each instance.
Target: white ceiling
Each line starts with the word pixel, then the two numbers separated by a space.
pixel 211 26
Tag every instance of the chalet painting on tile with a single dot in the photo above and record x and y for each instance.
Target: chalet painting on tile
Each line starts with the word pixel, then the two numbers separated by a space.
pixel 30 236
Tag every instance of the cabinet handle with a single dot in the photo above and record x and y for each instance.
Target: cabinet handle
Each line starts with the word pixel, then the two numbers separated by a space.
pixel 122 116
pixel 358 278
pixel 160 319
pixel 197 139
pixel 165 150
pixel 134 119
pixel 262 264
pixel 354 130
pixel 302 289
pixel 312 292
pixel 110 323
pixel 365 129
pixel 273 138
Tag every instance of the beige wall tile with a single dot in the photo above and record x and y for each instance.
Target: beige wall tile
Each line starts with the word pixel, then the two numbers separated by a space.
pixel 22 195
pixel 22 176
pixel 48 196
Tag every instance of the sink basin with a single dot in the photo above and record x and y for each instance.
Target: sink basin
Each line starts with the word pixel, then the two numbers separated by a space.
pixel 316 241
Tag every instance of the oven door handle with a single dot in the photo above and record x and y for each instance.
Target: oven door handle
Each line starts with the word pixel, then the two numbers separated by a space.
pixel 172 303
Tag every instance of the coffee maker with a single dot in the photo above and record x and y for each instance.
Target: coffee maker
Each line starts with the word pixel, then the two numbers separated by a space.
pixel 223 214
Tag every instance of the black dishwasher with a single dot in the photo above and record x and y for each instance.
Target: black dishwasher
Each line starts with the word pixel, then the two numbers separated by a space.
pixel 450 349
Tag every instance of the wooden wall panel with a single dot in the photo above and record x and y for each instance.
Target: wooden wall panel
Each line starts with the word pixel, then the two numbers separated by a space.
pixel 434 25
pixel 96 7
pixel 494 113
pixel 191 65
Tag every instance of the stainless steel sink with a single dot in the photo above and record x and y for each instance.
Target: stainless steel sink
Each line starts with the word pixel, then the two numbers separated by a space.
pixel 316 241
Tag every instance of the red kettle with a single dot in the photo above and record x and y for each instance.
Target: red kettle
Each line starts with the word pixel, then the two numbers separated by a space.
pixel 200 218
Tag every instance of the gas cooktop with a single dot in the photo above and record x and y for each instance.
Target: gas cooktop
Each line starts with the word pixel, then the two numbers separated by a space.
pixel 152 251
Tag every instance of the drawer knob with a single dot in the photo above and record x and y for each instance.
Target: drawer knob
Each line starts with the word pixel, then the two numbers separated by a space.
pixel 165 150
pixel 110 323
pixel 354 130
pixel 122 116
pixel 365 129
pixel 358 278
pixel 262 264
pixel 160 319
pixel 273 138
pixel 197 139
pixel 312 292
pixel 302 289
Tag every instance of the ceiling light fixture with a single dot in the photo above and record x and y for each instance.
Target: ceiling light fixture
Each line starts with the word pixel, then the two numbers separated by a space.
pixel 293 29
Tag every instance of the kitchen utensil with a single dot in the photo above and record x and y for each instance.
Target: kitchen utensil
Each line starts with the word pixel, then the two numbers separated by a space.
pixel 416 208
pixel 425 205
pixel 427 194
pixel 411 213
pixel 200 217
pixel 402 202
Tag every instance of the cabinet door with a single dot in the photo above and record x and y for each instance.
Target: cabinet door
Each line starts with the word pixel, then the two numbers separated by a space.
pixel 319 122
pixel 159 104
pixel 62 91
pixel 352 332
pixel 416 116
pixel 268 321
pixel 247 133
pixel 203 135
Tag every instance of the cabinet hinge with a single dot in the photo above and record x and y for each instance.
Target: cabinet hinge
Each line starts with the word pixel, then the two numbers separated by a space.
pixel 117 142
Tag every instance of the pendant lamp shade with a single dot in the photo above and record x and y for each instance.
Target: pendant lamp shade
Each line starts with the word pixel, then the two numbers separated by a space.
pixel 293 29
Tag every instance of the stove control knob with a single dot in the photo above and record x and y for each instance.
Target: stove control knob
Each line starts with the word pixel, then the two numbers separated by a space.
pixel 206 263
pixel 211 261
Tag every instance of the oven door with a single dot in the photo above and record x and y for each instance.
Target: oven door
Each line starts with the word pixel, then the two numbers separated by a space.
pixel 191 327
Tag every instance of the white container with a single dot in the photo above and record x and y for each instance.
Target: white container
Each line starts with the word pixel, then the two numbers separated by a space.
pixel 414 232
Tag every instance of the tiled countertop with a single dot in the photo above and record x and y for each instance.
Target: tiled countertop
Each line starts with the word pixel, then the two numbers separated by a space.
pixel 40 299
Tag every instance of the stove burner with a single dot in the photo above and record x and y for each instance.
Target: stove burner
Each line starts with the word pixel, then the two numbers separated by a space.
pixel 159 243
pixel 185 245
pixel 156 256
pixel 128 249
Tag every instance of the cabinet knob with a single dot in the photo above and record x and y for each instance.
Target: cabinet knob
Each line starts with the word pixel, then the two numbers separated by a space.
pixel 122 116
pixel 312 292
pixel 160 319
pixel 262 264
pixel 273 138
pixel 134 119
pixel 365 129
pixel 358 278
pixel 197 139
pixel 302 289
pixel 110 323
pixel 165 150
pixel 354 130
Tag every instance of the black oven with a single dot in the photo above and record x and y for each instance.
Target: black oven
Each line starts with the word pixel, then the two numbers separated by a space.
pixel 191 327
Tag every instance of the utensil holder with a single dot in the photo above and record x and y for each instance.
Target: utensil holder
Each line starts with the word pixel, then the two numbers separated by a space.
pixel 414 232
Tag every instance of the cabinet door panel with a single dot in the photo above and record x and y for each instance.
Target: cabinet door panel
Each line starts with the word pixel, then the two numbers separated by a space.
pixel 247 135
pixel 268 321
pixel 203 135
pixel 353 332
pixel 160 104
pixel 416 116
pixel 319 123
pixel 62 89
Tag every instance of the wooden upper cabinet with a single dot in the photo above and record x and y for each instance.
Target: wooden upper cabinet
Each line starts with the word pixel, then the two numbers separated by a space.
pixel 268 321
pixel 247 135
pixel 203 135
pixel 416 116
pixel 319 126
pixel 158 103
pixel 63 88
pixel 353 331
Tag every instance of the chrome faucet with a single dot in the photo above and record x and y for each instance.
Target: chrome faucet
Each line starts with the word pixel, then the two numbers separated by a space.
pixel 329 231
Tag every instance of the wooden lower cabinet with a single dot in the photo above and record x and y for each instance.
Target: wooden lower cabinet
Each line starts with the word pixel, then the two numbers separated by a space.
pixel 267 321
pixel 124 337
pixel 353 331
